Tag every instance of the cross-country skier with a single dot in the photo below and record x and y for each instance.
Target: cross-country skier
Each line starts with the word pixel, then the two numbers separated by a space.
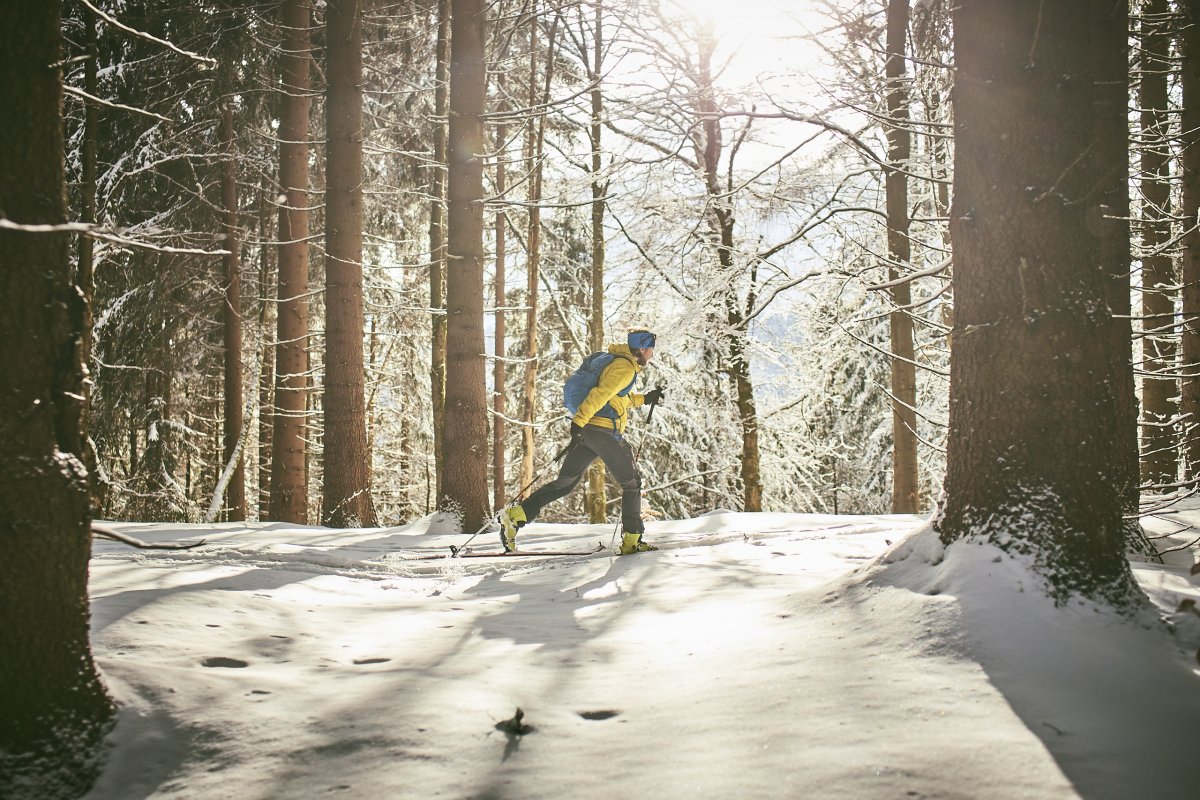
pixel 600 395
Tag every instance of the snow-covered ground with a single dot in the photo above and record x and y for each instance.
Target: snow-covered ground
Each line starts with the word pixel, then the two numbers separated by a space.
pixel 754 656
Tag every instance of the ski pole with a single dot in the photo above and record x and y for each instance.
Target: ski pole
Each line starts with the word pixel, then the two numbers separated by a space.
pixel 456 549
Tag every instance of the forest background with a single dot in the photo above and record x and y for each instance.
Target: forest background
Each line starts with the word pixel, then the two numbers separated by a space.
pixel 775 205
pixel 634 172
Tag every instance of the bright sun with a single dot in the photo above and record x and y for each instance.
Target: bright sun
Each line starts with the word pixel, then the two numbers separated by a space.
pixel 758 37
pixel 742 19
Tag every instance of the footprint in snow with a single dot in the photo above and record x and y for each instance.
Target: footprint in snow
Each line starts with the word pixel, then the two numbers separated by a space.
pixel 222 661
pixel 598 715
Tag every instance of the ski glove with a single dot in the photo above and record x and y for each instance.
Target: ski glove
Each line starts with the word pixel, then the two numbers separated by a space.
pixel 576 434
pixel 652 397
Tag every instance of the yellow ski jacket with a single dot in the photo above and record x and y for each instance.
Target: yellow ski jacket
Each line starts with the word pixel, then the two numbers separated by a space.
pixel 615 377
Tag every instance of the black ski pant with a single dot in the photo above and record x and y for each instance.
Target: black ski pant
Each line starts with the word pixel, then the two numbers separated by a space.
pixel 617 456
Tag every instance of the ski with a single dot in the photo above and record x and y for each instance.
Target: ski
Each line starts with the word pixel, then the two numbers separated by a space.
pixel 599 548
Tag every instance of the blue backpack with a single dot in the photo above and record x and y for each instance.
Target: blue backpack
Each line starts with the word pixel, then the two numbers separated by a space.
pixel 584 379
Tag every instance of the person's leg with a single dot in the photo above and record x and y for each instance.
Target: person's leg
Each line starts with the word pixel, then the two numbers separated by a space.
pixel 576 462
pixel 514 517
pixel 617 455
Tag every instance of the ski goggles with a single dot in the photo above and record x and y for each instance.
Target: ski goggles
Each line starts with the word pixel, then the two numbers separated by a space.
pixel 641 340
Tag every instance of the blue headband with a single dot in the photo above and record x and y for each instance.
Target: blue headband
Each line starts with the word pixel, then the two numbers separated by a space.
pixel 640 340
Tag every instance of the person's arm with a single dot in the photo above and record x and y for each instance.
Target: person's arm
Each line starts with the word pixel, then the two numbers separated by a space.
pixel 615 377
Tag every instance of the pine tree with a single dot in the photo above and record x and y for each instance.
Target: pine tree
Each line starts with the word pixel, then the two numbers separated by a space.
pixel 55 708
pixel 1190 271
pixel 1032 386
pixel 906 492
pixel 465 482
pixel 347 496
pixel 289 474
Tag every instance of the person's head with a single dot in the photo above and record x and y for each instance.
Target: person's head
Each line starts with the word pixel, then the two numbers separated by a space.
pixel 641 344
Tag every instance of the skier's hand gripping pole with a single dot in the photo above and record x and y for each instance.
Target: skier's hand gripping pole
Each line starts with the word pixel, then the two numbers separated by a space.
pixel 653 398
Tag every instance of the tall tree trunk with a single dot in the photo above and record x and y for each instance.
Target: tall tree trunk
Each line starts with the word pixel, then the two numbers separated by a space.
pixel 739 367
pixel 1159 382
pixel 499 381
pixel 906 486
pixel 437 241
pixel 289 487
pixel 1110 52
pixel 465 480
pixel 231 314
pixel 56 711
pixel 1190 145
pixel 1032 380
pixel 533 148
pixel 594 499
pixel 347 474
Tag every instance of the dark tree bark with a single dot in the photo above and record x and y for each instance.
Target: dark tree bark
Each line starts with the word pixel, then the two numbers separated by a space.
pixel 1190 145
pixel 289 484
pixel 55 710
pixel 906 486
pixel 1160 385
pixel 1033 405
pixel 231 313
pixel 347 497
pixel 437 241
pixel 466 459
pixel 1110 214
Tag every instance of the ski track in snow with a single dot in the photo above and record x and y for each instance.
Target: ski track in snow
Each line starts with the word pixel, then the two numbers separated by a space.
pixel 373 562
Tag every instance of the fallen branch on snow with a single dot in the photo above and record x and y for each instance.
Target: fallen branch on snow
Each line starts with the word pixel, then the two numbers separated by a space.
pixel 105 532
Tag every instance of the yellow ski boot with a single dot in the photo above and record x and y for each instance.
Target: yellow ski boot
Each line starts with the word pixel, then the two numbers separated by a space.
pixel 511 520
pixel 632 543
